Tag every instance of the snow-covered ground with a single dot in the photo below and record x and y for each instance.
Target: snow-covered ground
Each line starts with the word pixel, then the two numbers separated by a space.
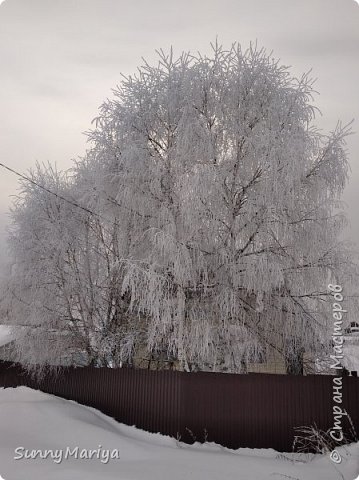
pixel 36 421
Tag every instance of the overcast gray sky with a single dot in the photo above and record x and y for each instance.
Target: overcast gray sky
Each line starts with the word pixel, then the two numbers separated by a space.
pixel 60 59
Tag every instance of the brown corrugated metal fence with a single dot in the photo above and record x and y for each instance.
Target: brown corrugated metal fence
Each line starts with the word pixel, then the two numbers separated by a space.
pixel 255 410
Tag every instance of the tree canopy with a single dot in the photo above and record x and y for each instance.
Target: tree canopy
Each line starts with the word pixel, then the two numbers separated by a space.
pixel 203 225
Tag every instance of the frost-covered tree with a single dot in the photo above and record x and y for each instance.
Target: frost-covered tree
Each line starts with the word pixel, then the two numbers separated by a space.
pixel 216 201
pixel 62 293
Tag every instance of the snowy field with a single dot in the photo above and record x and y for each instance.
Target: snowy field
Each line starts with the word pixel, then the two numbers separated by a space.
pixel 33 420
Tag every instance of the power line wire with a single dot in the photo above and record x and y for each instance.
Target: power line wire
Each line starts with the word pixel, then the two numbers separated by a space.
pixel 113 201
pixel 71 202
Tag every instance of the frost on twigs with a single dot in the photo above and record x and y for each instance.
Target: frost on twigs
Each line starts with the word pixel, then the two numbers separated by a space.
pixel 215 225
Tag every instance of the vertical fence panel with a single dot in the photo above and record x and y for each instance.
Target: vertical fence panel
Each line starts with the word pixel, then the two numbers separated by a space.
pixel 255 410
